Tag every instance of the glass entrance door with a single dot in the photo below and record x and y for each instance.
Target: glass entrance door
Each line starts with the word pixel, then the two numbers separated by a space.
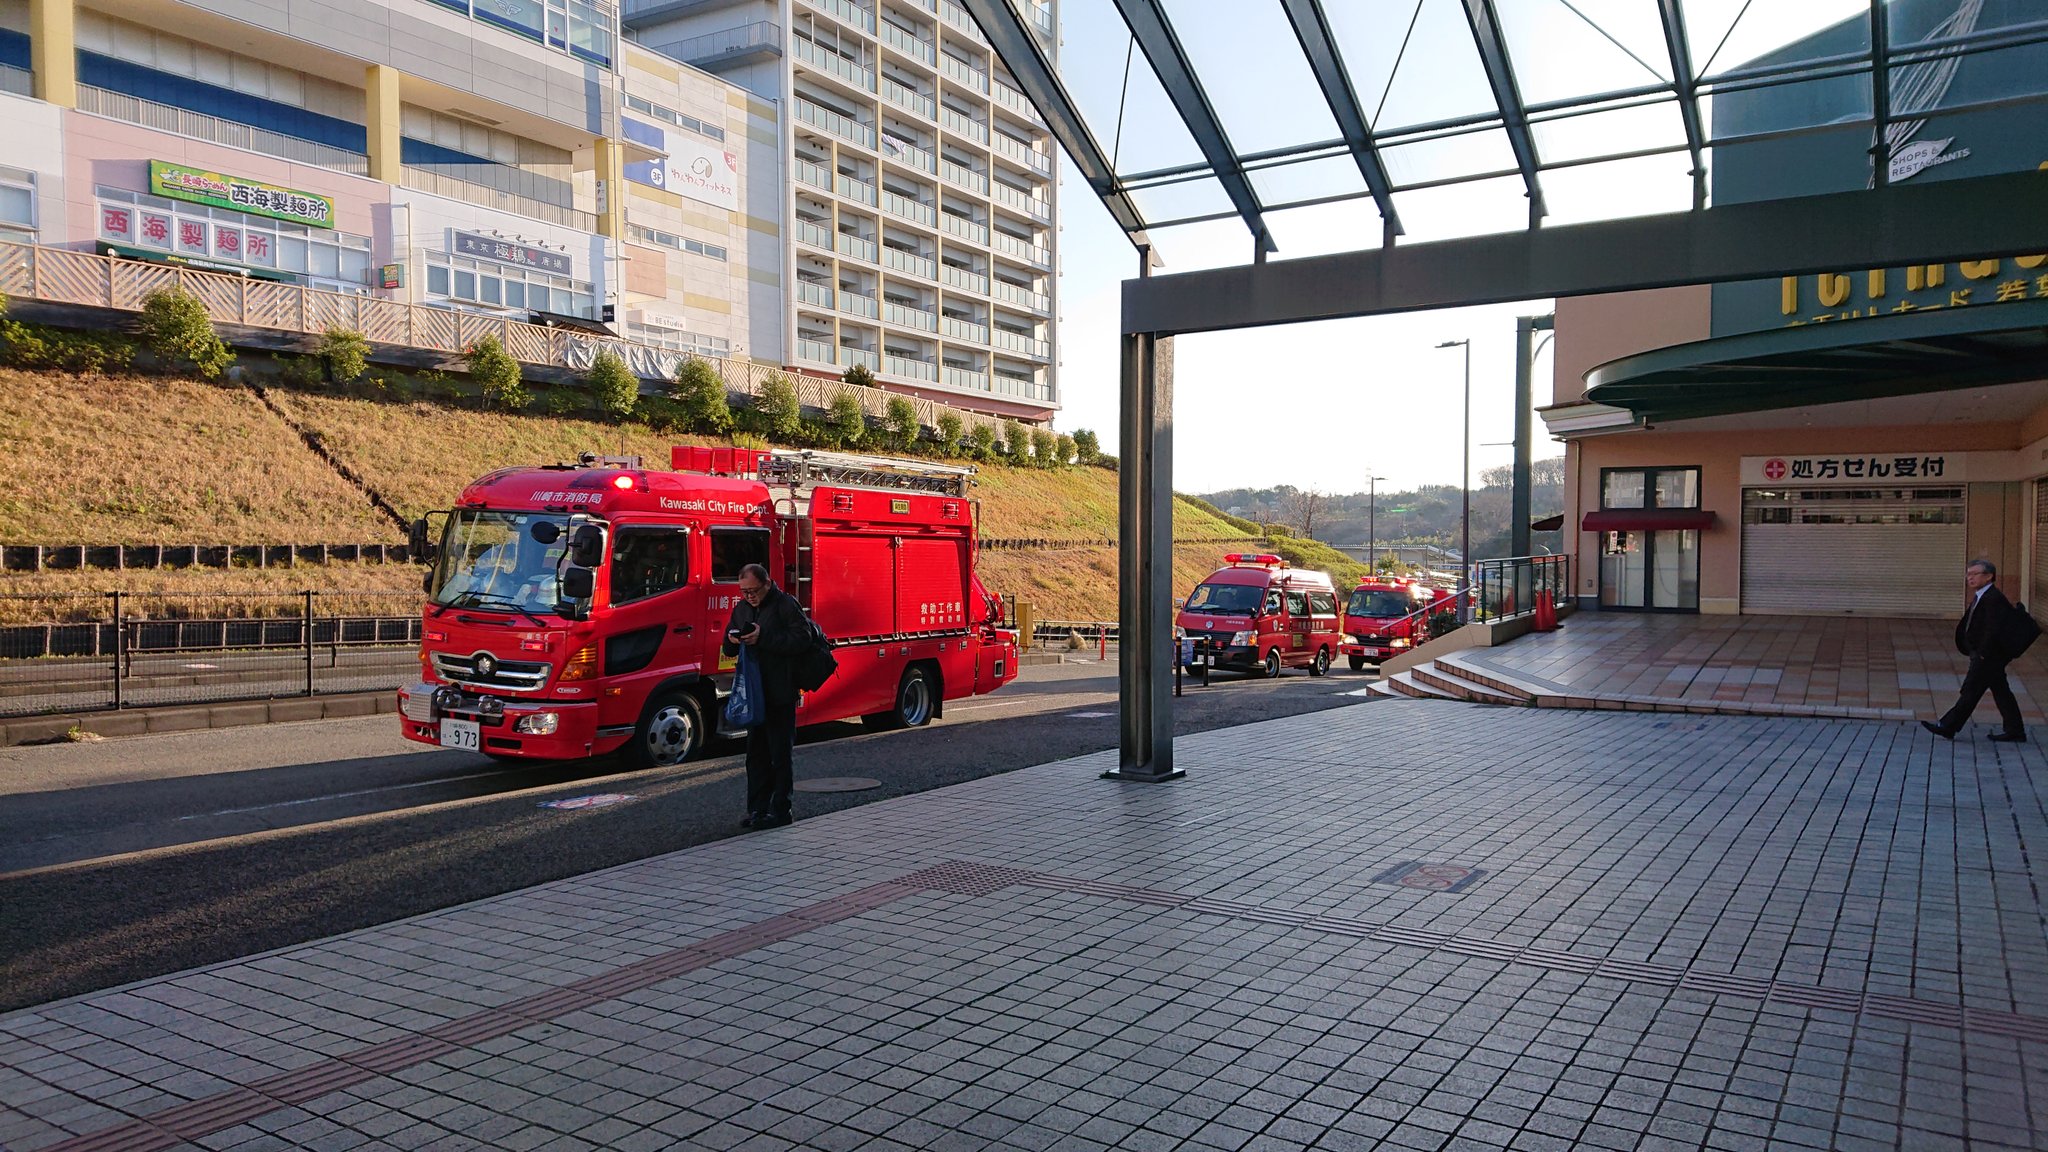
pixel 1651 570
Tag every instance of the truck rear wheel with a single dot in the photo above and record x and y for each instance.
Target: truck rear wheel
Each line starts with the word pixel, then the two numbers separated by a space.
pixel 914 695
pixel 1322 664
pixel 1358 663
pixel 1272 663
pixel 671 732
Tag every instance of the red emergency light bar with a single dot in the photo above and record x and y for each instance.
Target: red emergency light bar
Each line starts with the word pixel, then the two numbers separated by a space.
pixel 1252 558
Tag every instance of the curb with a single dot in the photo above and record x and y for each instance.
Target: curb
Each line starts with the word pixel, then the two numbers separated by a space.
pixel 190 717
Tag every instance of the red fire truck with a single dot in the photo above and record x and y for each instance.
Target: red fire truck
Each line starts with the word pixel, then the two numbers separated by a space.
pixel 578 609
pixel 1384 617
pixel 1260 614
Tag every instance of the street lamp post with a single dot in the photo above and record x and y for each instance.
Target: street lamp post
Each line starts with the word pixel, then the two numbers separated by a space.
pixel 1372 525
pixel 1465 484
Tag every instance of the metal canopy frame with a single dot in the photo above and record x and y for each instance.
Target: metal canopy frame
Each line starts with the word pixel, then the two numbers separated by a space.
pixel 1885 225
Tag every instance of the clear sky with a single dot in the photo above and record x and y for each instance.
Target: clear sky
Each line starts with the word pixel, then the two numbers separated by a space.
pixel 1324 405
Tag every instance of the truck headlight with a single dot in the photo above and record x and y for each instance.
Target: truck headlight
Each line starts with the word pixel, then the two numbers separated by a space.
pixel 537 724
pixel 1239 639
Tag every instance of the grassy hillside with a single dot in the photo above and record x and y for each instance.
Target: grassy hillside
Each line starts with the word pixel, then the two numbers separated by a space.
pixel 133 459
pixel 148 460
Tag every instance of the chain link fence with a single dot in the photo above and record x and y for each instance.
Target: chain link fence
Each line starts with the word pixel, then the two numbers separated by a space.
pixel 84 652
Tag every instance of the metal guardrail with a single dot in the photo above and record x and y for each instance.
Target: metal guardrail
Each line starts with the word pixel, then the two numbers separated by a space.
pixel 102 651
pixel 1508 587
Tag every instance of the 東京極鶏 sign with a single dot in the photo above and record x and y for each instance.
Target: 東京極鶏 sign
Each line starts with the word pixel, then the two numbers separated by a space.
pixel 240 195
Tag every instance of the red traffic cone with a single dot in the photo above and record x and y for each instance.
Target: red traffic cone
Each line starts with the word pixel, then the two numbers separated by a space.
pixel 1546 613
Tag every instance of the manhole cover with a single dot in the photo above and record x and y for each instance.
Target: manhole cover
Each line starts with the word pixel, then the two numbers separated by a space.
pixel 837 784
pixel 1430 877
pixel 577 803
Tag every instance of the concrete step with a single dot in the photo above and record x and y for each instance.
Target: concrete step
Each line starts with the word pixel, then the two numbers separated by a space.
pixel 1447 677
pixel 1406 684
pixel 1500 683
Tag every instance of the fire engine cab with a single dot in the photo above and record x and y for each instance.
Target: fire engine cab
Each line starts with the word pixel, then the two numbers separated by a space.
pixel 1386 616
pixel 1260 614
pixel 578 609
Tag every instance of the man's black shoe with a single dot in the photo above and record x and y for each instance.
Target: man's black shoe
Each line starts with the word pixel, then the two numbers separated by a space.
pixel 1937 729
pixel 2010 737
pixel 753 820
pixel 771 820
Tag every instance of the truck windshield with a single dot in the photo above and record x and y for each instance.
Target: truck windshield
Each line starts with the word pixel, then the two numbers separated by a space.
pixel 495 560
pixel 1226 599
pixel 1379 602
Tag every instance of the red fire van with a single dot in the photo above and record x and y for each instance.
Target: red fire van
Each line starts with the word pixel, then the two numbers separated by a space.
pixel 1260 614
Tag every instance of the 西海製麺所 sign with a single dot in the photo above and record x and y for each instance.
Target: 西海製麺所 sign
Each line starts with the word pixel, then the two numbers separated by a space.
pixel 239 195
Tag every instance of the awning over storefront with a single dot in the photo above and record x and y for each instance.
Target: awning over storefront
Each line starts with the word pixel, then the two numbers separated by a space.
pixel 1646 520
pixel 127 253
pixel 576 323
pixel 1933 350
pixel 1548 524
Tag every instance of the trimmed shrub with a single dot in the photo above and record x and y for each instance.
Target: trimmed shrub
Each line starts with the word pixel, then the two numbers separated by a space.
pixel 1087 447
pixel 661 414
pixel 174 325
pixel 1044 444
pixel 899 424
pixel 1016 442
pixel 497 374
pixel 344 353
pixel 701 393
pixel 858 374
pixel 950 428
pixel 613 387
pixel 34 346
pixel 561 402
pixel 776 412
pixel 981 442
pixel 846 424
pixel 1063 449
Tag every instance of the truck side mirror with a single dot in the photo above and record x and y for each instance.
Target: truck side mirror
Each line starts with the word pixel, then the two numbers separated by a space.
pixel 578 583
pixel 586 546
pixel 418 544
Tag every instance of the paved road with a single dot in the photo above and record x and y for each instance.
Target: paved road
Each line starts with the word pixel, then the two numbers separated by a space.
pixel 132 858
pixel 28 687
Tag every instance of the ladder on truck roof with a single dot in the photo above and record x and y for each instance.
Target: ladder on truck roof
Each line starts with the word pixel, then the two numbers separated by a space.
pixel 802 467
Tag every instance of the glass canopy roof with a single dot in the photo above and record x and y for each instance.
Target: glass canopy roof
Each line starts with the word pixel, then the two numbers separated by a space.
pixel 1432 119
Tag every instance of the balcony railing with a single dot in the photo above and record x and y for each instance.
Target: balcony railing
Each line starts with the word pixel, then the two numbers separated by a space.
pixel 965 177
pixel 727 45
pixel 957 16
pixel 817 351
pixel 911 45
pixel 1038 14
pixel 963 72
pixel 854 189
pixel 815 234
pixel 456 188
pixel 1022 153
pixel 1016 342
pixel 850 355
pixel 910 262
pixel 964 228
pixel 199 126
pixel 812 292
pixel 966 330
pixel 1019 295
pixel 1022 249
pixel 858 247
pixel 1012 99
pixel 963 278
pixel 844 127
pixel 21 81
pixel 910 369
pixel 847 12
pixel 904 316
pixel 966 126
pixel 905 97
pixel 832 62
pixel 813 173
pixel 965 378
pixel 909 154
pixel 909 209
pixel 1023 202
pixel 855 304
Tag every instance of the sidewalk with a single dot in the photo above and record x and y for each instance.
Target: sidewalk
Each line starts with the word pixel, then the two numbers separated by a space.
pixel 1411 925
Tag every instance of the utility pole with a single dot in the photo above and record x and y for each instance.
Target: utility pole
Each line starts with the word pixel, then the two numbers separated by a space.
pixel 1372 526
pixel 1465 485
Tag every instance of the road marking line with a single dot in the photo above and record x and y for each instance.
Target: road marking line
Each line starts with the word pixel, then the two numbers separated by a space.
pixel 341 795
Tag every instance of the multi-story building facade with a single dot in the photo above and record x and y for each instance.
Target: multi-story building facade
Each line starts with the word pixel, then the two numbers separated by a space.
pixel 467 154
pixel 919 192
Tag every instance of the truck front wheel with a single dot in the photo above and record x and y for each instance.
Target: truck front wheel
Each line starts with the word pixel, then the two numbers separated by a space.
pixel 913 708
pixel 671 732
pixel 1358 663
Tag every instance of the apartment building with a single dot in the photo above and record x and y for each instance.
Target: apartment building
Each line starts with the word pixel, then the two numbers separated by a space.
pixel 919 193
pixel 467 154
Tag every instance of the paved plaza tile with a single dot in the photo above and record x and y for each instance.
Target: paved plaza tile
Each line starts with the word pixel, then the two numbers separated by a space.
pixel 1405 925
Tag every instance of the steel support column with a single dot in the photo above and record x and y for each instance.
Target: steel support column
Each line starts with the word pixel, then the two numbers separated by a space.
pixel 1145 559
pixel 1526 328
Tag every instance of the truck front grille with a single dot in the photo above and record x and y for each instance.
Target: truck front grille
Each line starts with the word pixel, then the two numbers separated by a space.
pixel 507 676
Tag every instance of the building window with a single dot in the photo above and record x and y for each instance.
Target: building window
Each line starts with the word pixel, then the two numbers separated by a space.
pixel 671 116
pixel 676 340
pixel 17 199
pixel 322 256
pixel 670 240
pixel 498 286
pixel 581 28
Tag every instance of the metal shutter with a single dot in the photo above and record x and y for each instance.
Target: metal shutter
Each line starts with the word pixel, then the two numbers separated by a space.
pixel 1803 552
pixel 2037 592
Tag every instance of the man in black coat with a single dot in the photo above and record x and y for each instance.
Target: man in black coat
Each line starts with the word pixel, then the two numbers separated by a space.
pixel 769 622
pixel 1980 635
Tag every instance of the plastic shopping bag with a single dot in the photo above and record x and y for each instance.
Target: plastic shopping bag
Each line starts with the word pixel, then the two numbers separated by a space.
pixel 745 708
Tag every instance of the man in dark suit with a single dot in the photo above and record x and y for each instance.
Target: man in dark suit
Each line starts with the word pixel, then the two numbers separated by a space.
pixel 771 623
pixel 1980 635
